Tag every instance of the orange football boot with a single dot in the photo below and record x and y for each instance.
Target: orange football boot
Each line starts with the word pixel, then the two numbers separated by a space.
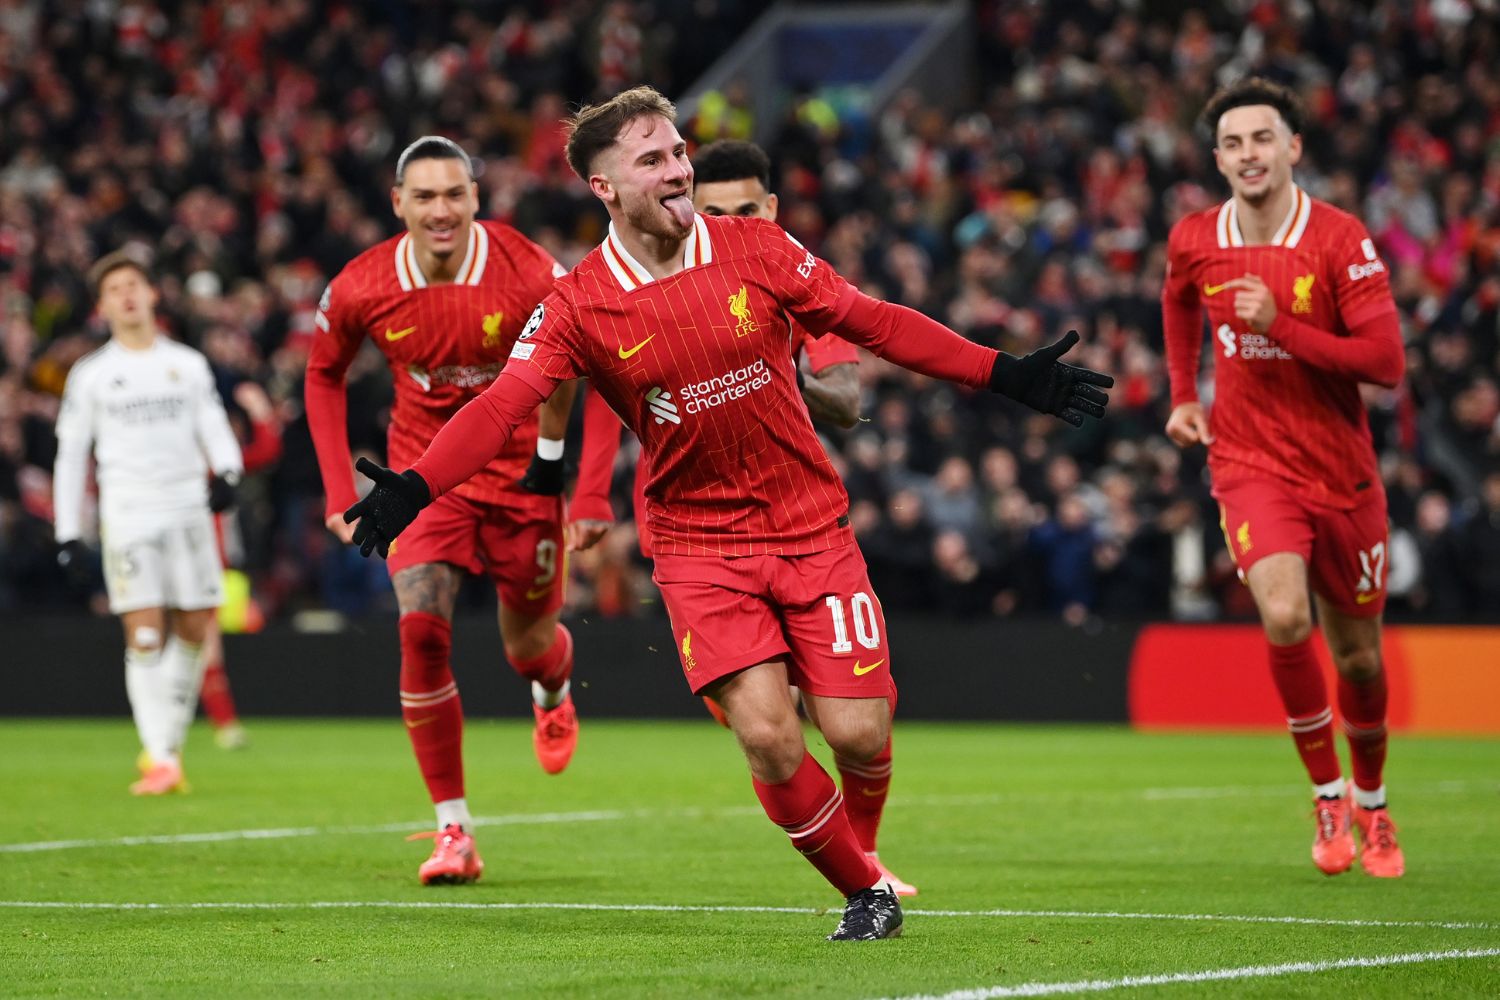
pixel 556 735
pixel 1380 855
pixel 1333 843
pixel 454 858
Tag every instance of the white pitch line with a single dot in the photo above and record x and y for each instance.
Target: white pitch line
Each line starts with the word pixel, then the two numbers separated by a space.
pixel 1041 989
pixel 278 833
pixel 400 904
pixel 709 908
pixel 615 815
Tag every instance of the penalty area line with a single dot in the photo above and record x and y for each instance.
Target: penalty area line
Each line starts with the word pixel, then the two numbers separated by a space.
pixel 1041 989
pixel 398 904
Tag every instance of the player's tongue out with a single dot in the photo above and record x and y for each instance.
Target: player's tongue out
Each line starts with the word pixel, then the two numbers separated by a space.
pixel 681 207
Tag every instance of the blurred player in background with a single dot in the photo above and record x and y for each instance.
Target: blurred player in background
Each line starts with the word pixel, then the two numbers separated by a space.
pixel 147 409
pixel 678 319
pixel 1301 313
pixel 444 303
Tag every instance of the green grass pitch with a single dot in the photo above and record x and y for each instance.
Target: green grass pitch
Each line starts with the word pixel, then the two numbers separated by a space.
pixel 1047 857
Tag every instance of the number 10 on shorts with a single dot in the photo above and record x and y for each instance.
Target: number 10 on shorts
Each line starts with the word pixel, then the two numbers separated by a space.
pixel 865 628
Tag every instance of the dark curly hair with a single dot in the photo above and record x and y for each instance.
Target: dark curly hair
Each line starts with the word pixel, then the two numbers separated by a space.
pixel 1254 90
pixel 732 160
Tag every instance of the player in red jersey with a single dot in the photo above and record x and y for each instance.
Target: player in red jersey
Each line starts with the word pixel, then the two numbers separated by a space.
pixel 444 302
pixel 679 320
pixel 1301 313
pixel 733 177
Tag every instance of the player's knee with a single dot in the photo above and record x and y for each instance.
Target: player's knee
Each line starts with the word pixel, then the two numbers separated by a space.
pixel 424 637
pixel 192 626
pixel 1288 620
pixel 861 741
pixel 773 748
pixel 1360 665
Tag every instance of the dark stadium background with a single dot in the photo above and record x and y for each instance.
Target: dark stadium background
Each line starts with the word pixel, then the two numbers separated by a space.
pixel 1014 175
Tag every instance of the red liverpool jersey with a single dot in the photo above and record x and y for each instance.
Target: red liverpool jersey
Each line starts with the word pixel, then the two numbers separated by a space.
pixel 699 366
pixel 1274 415
pixel 444 344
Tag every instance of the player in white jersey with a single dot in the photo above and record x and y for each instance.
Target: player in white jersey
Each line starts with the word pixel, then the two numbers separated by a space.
pixel 147 409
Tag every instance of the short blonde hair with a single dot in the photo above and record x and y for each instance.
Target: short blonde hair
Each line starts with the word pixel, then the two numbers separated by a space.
pixel 594 128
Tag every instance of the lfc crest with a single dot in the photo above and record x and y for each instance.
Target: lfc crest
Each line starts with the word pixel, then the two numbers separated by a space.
pixel 1302 293
pixel 491 324
pixel 739 308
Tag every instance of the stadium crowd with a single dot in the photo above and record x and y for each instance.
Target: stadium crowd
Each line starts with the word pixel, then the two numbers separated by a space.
pixel 251 177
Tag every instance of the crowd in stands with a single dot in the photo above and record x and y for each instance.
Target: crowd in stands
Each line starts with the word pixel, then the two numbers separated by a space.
pixel 249 146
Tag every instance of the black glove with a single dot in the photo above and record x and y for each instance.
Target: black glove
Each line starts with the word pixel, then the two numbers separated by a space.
pixel 544 476
pixel 221 492
pixel 1046 384
pixel 386 510
pixel 77 564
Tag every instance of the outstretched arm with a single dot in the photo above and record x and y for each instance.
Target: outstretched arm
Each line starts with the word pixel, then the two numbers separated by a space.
pixel 914 341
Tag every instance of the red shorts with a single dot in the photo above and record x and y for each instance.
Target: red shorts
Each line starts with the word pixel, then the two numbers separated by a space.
pixel 729 614
pixel 519 545
pixel 1345 550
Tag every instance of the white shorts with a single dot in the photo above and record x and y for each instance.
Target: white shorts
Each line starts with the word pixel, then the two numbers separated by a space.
pixel 166 563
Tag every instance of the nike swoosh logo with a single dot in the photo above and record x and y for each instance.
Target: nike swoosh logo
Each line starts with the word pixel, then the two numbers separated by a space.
pixel 625 355
pixel 1214 289
pixel 872 792
pixel 398 334
pixel 1365 598
pixel 536 592
pixel 860 671
pixel 414 723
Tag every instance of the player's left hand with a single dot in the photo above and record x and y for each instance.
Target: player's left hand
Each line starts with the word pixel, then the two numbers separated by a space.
pixel 585 533
pixel 1048 385
pixel 386 510
pixel 544 477
pixel 221 492
pixel 1253 302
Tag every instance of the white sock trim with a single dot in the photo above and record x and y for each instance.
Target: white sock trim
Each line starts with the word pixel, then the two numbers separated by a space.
pixel 451 811
pixel 1332 790
pixel 549 449
pixel 1369 800
pixel 550 699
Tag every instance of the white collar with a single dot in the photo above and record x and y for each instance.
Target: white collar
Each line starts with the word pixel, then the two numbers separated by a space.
pixel 476 255
pixel 632 274
pixel 1288 234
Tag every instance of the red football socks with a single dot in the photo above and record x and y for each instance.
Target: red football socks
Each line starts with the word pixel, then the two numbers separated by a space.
pixel 865 788
pixel 1298 677
pixel 554 666
pixel 429 703
pixel 807 807
pixel 218 703
pixel 1363 707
